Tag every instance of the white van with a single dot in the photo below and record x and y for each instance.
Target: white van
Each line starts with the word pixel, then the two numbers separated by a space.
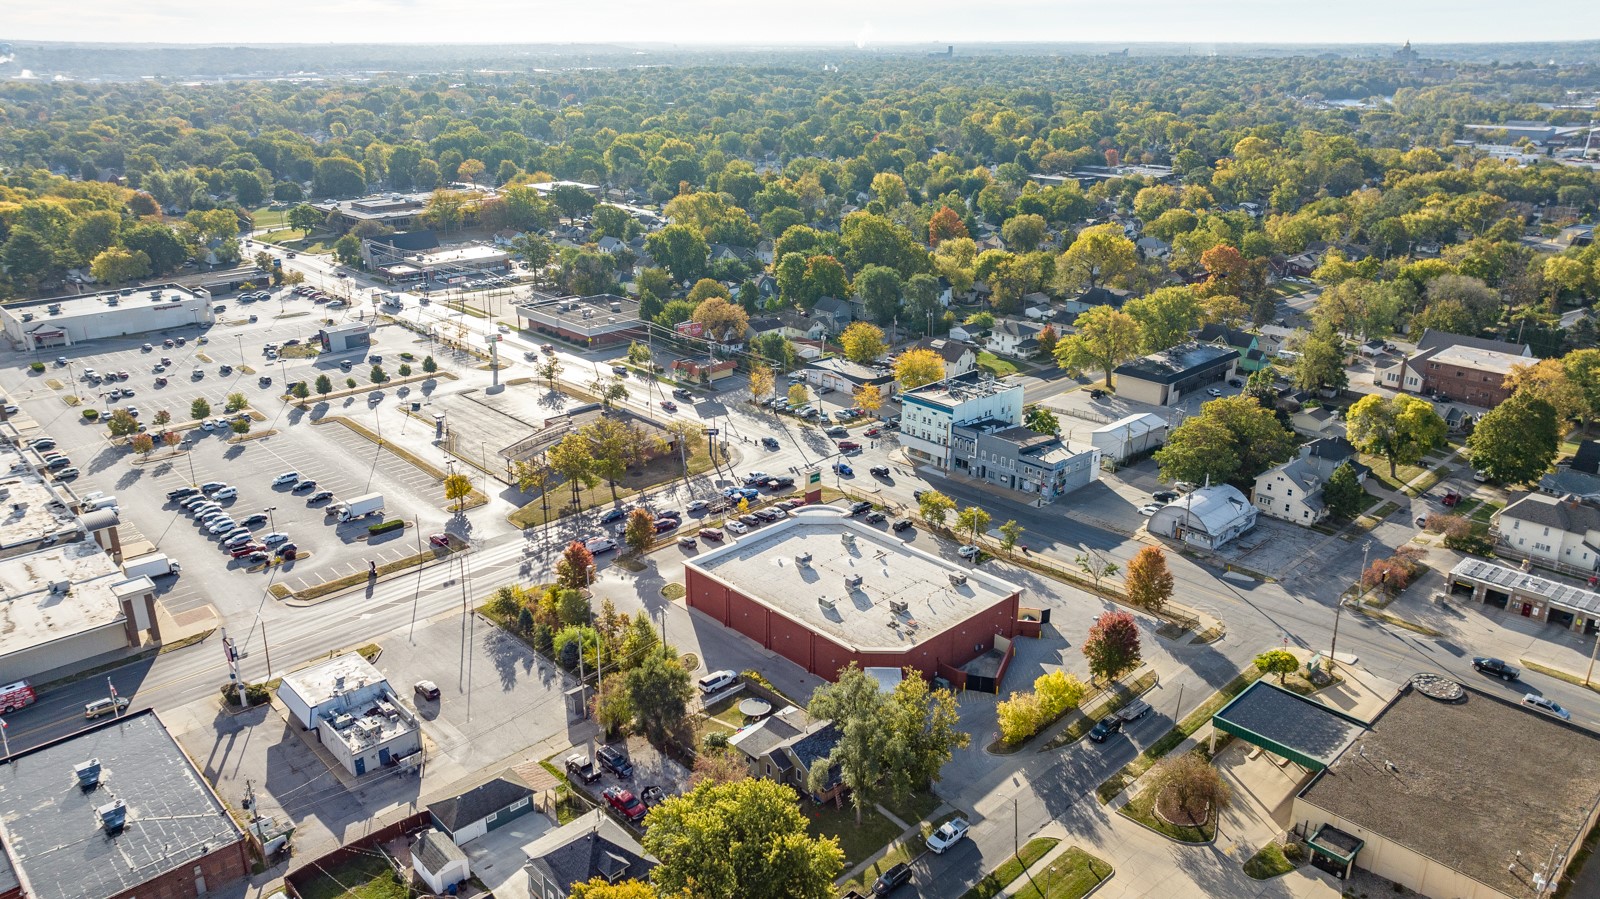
pixel 717 681
pixel 99 502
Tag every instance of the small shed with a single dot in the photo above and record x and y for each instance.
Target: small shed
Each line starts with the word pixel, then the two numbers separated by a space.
pixel 439 862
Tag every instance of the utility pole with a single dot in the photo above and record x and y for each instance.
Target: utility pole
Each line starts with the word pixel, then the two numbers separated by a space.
pixel 267 649
pixel 232 654
pixel 1339 608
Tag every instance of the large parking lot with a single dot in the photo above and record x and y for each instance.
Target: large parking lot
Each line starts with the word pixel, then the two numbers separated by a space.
pixel 337 458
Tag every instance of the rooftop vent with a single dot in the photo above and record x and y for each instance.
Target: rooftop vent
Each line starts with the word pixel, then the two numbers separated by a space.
pixel 113 815
pixel 827 603
pixel 957 579
pixel 112 301
pixel 341 722
pixel 852 581
pixel 847 538
pixel 900 608
pixel 803 559
pixel 88 773
pixel 53 308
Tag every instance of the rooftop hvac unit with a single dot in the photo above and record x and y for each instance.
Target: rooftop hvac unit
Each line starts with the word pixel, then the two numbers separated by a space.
pixel 899 607
pixel 62 587
pixel 803 559
pixel 88 773
pixel 340 722
pixel 27 316
pixel 827 603
pixel 847 538
pixel 113 815
pixel 53 308
pixel 957 579
pixel 852 581
pixel 112 301
pixel 175 298
pixel 616 307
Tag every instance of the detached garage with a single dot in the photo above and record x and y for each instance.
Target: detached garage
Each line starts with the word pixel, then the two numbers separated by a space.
pixel 488 806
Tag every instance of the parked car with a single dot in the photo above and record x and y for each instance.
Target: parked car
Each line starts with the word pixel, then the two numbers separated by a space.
pixel 1164 496
pixel 288 477
pixel 440 540
pixel 698 505
pixel 736 527
pixel 856 508
pixel 253 520
pixel 901 524
pixel 968 551
pixel 249 549
pixel 614 760
pixel 876 517
pixel 1104 728
pixel 1548 706
pixel 426 689
pixel 275 537
pixel 949 833
pixel 879 471
pixel 1149 509
pixel 600 545
pixel 1495 667
pixel 625 803
pixel 226 493
pixel 223 524
pixel 892 879
pixel 305 485
pixel 717 681
pixel 319 496
pixel 181 493
pixel 711 533
pixel 1213 392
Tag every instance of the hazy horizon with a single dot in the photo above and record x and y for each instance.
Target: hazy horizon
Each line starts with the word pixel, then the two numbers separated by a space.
pixel 718 23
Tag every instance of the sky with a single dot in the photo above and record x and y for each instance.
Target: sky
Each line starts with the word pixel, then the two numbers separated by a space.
pixel 1189 22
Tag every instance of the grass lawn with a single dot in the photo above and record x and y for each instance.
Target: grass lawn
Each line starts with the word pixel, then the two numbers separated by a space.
pixel 1011 869
pixel 657 471
pixel 1380 470
pixel 858 843
pixel 266 217
pixel 915 808
pixel 367 877
pixel 1169 741
pixel 1072 874
pixel 1268 863
pixel 1140 809
pixel 994 365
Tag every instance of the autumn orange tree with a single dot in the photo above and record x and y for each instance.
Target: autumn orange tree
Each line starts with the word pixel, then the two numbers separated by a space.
pixel 1148 582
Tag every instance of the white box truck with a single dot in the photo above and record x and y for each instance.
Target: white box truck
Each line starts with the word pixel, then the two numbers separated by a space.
pixel 99 502
pixel 370 504
pixel 152 565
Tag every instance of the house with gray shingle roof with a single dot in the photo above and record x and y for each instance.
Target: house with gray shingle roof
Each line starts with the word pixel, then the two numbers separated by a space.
pixel 587 847
pixel 1561 532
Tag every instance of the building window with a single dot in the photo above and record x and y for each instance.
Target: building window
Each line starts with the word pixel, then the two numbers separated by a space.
pixel 1289 492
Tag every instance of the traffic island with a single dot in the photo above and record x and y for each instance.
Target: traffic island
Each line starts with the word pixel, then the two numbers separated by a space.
pixel 1003 876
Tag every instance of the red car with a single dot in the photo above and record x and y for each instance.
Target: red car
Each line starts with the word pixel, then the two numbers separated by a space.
pixel 711 533
pixel 439 540
pixel 848 446
pixel 247 549
pixel 669 405
pixel 626 804
pixel 874 432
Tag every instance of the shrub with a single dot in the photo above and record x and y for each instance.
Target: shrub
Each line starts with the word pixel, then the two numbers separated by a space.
pixel 755 677
pixel 255 694
pixel 1293 851
pixel 386 526
pixel 91 414
pixel 408 356
pixel 716 740
pixel 405 370
pixel 37 366
pixel 350 383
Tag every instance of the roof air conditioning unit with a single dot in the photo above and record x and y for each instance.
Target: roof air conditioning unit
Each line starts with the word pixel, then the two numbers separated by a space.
pixel 113 815
pixel 88 773
pixel 847 538
pixel 827 603
pixel 957 579
pixel 803 559
pixel 852 581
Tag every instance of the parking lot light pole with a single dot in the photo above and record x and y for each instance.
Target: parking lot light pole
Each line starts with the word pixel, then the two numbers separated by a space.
pixel 271 525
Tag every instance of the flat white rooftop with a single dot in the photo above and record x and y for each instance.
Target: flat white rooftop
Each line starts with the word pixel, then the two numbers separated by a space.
pixel 342 674
pixel 763 567
pixel 155 297
pixel 31 614
pixel 463 254
pixel 29 508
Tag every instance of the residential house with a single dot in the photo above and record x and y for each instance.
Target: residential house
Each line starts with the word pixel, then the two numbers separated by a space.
pixel 1153 248
pixel 1208 517
pixel 1559 532
pixel 762 743
pixel 592 845
pixel 486 805
pixel 1036 305
pixel 507 237
pixel 1578 476
pixel 965 332
pixel 1095 296
pixel 1251 356
pixel 1467 373
pixel 1165 378
pixel 610 245
pixel 833 314
pixel 1016 338
pixel 1041 466
pixel 959 357
pixel 1318 421
pixel 1293 491
pixel 1273 338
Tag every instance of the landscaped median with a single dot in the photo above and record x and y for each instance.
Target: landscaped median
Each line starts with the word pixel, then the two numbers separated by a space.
pixel 472 500
pixel 1086 719
pixel 1002 877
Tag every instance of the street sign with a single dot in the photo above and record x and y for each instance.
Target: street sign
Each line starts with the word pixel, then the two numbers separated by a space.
pixel 712 432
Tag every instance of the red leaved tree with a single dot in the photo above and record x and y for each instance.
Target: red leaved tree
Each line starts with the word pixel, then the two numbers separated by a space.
pixel 575 567
pixel 1112 646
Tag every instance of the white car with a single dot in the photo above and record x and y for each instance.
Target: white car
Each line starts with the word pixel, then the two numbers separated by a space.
pixel 275 537
pixel 225 493
pixel 949 833
pixel 204 509
pixel 968 551
pixel 1546 705
pixel 207 425
pixel 1149 509
pixel 736 527
pixel 222 524
pixel 1214 392
pixel 288 477
pixel 600 545
pixel 698 505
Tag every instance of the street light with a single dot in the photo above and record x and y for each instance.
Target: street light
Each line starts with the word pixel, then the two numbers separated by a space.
pixel 1338 609
pixel 271 524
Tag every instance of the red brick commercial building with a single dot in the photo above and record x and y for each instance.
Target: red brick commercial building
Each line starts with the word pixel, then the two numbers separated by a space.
pixel 823 590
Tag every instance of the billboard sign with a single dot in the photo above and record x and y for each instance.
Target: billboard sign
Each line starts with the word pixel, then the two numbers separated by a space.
pixel 690 329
